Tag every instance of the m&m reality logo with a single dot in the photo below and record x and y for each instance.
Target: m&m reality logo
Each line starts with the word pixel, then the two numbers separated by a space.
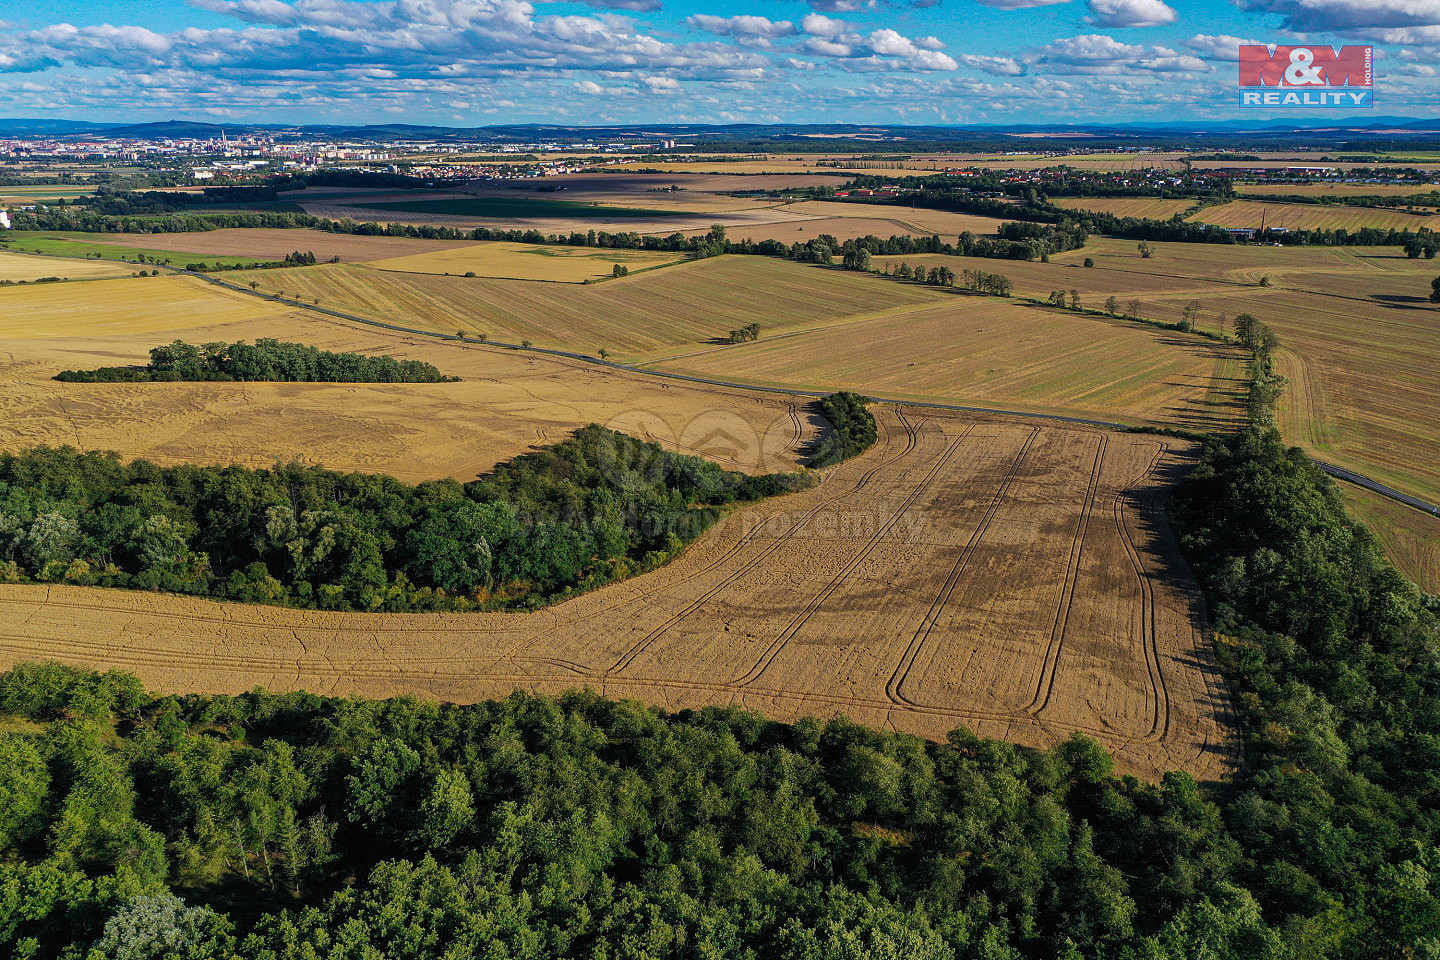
pixel 1308 76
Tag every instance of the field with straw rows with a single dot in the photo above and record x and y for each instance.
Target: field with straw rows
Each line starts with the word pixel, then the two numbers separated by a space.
pixel 874 224
pixel 1018 580
pixel 684 304
pixel 16 267
pixel 527 261
pixel 506 403
pixel 992 352
pixel 1311 216
pixel 1152 208
pixel 1089 162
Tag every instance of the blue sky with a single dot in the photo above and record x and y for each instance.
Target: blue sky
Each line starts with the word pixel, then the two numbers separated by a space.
pixel 474 62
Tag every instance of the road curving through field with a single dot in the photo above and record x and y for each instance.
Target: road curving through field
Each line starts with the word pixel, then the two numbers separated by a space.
pixel 1341 473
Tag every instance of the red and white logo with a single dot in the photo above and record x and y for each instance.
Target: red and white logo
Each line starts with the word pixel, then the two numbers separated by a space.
pixel 1306 75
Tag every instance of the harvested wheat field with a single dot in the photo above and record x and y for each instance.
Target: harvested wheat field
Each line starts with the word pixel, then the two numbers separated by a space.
pixel 919 221
pixel 1089 162
pixel 274 244
pixel 528 261
pixel 1018 580
pixel 1333 189
pixel 16 267
pixel 1153 208
pixel 869 220
pixel 1312 216
pixel 997 353
pixel 507 402
pixel 689 303
pixel 160 306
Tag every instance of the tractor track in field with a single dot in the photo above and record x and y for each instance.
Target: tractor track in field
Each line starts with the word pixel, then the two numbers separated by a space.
pixel 1045 687
pixel 798 623
pixel 894 689
pixel 626 659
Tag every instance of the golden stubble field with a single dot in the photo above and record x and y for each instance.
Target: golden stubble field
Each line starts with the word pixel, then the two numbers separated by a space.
pixel 1356 328
pixel 1019 580
pixel 528 261
pixel 16 267
pixel 1324 189
pixel 1153 208
pixel 683 304
pixel 508 402
pixel 996 353
pixel 274 244
pixel 1313 216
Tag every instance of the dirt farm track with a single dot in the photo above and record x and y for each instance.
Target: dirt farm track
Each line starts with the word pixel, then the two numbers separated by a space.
pixel 1020 580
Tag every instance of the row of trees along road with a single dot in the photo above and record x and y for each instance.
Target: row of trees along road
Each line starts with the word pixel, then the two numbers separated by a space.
pixel 265 359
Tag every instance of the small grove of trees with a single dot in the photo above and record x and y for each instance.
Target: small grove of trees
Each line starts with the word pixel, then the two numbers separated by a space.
pixel 982 282
pixel 293 259
pixel 1435 290
pixel 1421 245
pixel 746 334
pixel 852 429
pixel 941 276
pixel 1189 315
pixel 620 270
pixel 264 360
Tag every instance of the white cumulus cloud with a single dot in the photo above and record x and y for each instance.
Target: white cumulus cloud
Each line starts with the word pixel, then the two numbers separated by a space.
pixel 1130 13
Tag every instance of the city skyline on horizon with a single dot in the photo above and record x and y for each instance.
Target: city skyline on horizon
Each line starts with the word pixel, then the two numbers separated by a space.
pixel 469 63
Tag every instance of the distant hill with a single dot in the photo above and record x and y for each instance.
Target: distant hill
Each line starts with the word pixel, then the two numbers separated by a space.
pixel 1255 133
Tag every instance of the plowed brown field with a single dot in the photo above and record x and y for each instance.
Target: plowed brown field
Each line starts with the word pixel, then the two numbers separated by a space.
pixel 1015 579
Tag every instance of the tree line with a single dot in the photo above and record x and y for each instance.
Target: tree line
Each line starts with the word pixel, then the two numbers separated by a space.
pixel 264 360
pixel 592 509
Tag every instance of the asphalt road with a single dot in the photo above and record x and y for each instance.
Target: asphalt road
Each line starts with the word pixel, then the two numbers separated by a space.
pixel 1340 473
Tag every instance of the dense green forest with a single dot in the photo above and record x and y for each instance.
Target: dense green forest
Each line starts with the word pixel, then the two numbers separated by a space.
pixel 590 510
pixel 295 826
pixel 265 359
